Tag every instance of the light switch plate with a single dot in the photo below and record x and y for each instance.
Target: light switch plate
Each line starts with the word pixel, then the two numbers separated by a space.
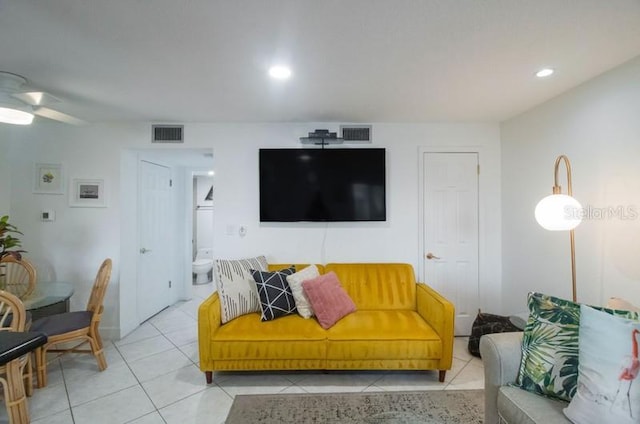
pixel 48 215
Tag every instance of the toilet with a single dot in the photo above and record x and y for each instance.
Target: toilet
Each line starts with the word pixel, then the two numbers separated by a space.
pixel 203 265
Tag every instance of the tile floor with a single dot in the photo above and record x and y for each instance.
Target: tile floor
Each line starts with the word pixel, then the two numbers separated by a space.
pixel 153 378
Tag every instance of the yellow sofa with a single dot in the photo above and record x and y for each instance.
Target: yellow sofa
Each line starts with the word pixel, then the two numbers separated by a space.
pixel 399 324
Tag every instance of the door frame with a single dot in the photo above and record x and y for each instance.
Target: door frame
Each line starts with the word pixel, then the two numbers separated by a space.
pixel 482 277
pixel 188 247
pixel 128 202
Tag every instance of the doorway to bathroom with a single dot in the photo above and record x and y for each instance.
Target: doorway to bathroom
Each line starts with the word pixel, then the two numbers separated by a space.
pixel 202 215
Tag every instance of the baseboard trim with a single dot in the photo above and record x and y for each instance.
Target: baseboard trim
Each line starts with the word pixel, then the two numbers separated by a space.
pixel 110 333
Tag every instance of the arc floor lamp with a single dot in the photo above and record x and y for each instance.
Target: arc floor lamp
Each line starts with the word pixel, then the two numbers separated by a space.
pixel 561 212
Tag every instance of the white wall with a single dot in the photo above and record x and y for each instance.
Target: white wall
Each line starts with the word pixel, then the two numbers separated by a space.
pixel 80 237
pixel 5 171
pixel 598 126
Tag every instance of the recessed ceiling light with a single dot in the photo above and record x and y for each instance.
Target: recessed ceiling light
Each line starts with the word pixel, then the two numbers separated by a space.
pixel 545 72
pixel 280 72
pixel 211 173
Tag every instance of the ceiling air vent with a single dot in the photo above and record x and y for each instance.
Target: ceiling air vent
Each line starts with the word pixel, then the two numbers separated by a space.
pixel 356 133
pixel 167 133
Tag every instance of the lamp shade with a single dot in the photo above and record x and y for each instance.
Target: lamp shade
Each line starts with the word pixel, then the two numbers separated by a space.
pixel 15 116
pixel 558 212
pixel 14 112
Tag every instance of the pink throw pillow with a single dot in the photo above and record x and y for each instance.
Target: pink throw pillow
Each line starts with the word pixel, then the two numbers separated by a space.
pixel 329 301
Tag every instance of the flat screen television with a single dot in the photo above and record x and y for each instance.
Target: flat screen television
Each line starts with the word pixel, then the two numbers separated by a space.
pixel 333 185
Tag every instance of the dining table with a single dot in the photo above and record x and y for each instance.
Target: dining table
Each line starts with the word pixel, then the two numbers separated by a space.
pixel 49 298
pixel 13 346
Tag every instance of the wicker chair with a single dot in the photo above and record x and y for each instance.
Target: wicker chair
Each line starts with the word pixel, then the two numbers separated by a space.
pixel 75 326
pixel 20 276
pixel 13 317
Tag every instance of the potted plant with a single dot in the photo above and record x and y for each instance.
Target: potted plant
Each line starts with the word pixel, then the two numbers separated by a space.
pixel 8 243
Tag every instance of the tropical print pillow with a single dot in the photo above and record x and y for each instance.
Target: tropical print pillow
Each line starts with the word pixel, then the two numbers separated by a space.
pixel 549 363
pixel 608 366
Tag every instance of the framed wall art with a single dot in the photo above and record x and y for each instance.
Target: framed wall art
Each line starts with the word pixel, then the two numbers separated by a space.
pixel 87 193
pixel 48 178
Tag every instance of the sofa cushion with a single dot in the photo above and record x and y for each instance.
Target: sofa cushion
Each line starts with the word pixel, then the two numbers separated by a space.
pixel 383 335
pixel 237 290
pixel 608 367
pixel 519 406
pixel 329 301
pixel 276 299
pixel 378 286
pixel 295 282
pixel 289 337
pixel 550 346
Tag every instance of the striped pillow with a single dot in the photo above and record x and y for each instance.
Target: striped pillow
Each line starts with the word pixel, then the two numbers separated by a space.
pixel 236 287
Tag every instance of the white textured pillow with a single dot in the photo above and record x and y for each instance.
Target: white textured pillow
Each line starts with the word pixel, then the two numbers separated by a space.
pixel 607 370
pixel 236 287
pixel 295 282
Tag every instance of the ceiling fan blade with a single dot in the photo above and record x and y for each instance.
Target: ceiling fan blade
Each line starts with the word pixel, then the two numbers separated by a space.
pixel 45 112
pixel 36 98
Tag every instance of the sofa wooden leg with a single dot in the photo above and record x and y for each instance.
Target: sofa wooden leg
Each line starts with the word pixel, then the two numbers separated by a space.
pixel 209 376
pixel 441 375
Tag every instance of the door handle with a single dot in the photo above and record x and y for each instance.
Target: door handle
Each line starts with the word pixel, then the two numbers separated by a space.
pixel 431 256
pixel 143 250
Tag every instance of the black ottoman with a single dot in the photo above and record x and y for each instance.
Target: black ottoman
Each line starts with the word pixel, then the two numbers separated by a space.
pixel 488 324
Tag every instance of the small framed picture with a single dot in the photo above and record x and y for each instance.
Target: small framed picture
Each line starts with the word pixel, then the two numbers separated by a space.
pixel 87 193
pixel 48 178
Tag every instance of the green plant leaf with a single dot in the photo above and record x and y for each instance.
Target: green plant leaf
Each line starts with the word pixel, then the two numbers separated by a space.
pixel 8 243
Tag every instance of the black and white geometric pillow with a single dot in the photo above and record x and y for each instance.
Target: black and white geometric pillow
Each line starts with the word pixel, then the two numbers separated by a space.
pixel 276 298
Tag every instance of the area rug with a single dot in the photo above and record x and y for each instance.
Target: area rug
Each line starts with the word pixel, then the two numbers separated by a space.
pixel 427 407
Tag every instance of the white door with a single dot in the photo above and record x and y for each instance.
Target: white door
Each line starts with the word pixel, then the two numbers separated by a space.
pixel 154 202
pixel 451 231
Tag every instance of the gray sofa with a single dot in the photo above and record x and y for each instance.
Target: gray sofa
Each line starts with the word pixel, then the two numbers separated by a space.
pixel 501 354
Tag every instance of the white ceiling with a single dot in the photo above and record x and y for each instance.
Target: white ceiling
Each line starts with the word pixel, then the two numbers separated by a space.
pixel 352 60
